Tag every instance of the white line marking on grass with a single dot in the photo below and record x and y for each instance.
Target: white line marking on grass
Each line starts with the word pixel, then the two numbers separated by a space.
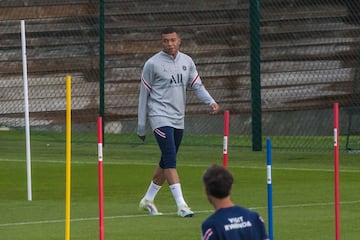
pixel 168 214
pixel 318 170
pixel 30 223
pixel 301 205
pixel 183 165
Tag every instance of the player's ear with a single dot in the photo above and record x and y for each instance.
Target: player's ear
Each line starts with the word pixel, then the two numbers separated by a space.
pixel 206 191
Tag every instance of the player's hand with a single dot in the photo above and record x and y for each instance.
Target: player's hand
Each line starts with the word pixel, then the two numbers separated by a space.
pixel 214 108
pixel 142 138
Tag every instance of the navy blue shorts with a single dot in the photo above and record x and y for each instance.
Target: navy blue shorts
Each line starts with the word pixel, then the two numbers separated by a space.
pixel 169 140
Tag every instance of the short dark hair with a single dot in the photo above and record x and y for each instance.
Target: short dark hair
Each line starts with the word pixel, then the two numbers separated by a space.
pixel 218 181
pixel 168 30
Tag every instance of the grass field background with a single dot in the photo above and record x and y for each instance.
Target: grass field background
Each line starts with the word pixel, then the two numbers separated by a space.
pixel 303 189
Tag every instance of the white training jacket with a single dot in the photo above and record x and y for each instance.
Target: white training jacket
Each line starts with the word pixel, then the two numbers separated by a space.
pixel 163 91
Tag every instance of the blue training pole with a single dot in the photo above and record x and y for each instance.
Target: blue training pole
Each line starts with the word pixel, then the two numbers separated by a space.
pixel 269 186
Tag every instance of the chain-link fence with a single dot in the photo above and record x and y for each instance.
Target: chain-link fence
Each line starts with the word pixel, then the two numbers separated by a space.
pixel 309 59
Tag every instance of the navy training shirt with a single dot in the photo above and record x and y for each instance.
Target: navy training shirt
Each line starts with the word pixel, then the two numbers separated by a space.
pixel 234 223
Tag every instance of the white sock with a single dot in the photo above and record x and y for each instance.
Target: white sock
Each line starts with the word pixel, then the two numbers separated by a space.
pixel 177 194
pixel 152 191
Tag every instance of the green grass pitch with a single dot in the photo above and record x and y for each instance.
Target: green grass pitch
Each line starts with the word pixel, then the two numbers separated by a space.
pixel 303 190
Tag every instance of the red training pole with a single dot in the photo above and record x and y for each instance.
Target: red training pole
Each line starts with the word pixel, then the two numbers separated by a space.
pixel 336 171
pixel 100 179
pixel 226 136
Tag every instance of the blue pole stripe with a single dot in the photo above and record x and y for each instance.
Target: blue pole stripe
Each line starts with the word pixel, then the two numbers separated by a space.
pixel 269 186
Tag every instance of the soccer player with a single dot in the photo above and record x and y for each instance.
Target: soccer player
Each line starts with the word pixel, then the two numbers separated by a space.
pixel 229 221
pixel 165 78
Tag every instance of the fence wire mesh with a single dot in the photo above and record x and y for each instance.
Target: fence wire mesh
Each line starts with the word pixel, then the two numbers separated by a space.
pixel 310 58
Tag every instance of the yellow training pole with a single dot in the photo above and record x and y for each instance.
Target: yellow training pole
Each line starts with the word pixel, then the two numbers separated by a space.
pixel 68 157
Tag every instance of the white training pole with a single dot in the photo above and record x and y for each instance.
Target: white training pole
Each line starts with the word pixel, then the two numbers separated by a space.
pixel 26 105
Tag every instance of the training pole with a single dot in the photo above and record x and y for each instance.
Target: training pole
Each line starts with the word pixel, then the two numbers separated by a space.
pixel 336 171
pixel 226 138
pixel 100 178
pixel 269 186
pixel 26 110
pixel 68 157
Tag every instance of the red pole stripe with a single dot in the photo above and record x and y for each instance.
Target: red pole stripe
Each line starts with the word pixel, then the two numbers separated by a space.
pixel 100 180
pixel 336 171
pixel 99 129
pixel 226 138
